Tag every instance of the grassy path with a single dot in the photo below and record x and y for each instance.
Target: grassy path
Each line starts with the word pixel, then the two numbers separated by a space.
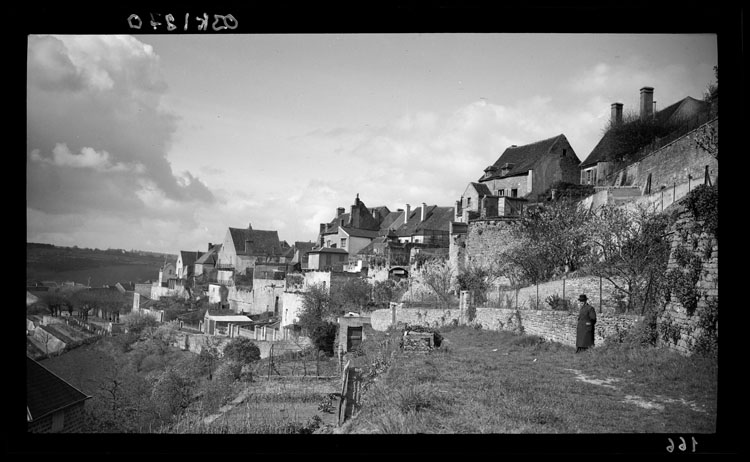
pixel 497 382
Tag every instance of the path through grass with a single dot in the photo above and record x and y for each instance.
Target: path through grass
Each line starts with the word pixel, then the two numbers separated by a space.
pixel 499 382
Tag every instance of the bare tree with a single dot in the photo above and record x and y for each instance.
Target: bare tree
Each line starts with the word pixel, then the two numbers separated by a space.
pixel 438 275
pixel 632 250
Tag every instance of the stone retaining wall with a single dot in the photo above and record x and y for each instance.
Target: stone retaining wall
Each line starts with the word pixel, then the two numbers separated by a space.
pixel 556 326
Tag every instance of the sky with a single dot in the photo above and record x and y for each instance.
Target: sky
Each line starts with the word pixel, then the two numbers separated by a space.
pixel 162 142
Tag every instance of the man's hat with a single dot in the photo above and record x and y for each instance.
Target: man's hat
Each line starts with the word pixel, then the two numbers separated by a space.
pixel 582 298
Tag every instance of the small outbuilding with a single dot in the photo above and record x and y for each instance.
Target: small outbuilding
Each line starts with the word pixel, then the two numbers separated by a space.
pixel 218 322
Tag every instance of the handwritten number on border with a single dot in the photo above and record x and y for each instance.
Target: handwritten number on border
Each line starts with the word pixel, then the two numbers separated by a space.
pixel 683 445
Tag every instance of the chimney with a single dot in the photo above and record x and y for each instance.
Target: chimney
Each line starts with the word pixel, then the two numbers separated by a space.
pixel 209 246
pixel 616 114
pixel 407 213
pixel 424 212
pixel 647 102
pixel 339 211
pixel 249 226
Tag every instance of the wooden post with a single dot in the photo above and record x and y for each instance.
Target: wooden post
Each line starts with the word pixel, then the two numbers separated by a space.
pixel 537 296
pixel 600 294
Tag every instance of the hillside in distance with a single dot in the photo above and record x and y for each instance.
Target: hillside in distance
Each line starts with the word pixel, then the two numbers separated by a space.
pixel 46 262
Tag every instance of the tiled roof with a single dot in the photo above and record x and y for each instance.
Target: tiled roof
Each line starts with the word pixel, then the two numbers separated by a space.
pixel 522 158
pixel 209 257
pixel 437 218
pixel 482 189
pixel 390 219
pixel 46 392
pixel 605 149
pixel 189 257
pixel 261 242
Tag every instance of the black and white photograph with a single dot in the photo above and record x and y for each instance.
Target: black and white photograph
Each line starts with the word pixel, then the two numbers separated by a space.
pixel 237 230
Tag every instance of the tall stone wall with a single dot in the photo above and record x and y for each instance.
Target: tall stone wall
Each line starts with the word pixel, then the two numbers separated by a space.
pixel 676 161
pixel 486 239
pixel 679 329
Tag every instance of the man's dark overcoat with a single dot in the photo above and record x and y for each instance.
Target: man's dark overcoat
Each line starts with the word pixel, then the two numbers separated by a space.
pixel 585 330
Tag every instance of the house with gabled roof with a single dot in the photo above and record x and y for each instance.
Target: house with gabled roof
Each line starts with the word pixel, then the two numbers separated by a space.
pixel 52 404
pixel 520 174
pixel 529 170
pixel 300 258
pixel 243 247
pixel 185 267
pixel 627 141
pixel 353 230
pixel 428 224
pixel 207 261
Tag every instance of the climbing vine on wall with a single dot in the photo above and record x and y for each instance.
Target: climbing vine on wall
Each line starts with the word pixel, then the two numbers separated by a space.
pixel 681 282
pixel 708 341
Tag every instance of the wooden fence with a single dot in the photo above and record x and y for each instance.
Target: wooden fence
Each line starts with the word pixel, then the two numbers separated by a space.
pixel 351 389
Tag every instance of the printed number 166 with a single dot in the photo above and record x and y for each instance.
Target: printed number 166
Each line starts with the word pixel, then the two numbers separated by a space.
pixel 682 446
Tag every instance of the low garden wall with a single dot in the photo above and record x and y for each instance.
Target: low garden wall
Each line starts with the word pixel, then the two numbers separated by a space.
pixel 556 326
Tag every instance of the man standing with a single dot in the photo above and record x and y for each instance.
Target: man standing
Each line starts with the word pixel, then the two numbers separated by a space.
pixel 586 321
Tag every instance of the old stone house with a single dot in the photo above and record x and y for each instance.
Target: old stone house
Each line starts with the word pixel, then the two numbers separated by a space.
pixel 52 404
pixel 529 170
pixel 243 247
pixel 206 263
pixel 185 267
pixel 622 145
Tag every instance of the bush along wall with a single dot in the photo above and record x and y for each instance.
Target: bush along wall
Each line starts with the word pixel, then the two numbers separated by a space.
pixel 689 322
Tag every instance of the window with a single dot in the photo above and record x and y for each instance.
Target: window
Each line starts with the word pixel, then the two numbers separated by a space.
pixel 565 151
pixel 500 192
pixel 328 259
pixel 343 242
pixel 514 192
pixel 468 202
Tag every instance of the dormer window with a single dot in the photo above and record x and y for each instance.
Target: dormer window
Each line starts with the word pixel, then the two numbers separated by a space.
pixel 506 168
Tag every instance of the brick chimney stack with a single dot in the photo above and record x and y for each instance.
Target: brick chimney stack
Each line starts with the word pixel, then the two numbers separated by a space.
pixel 424 212
pixel 647 102
pixel 616 114
pixel 340 211
pixel 407 213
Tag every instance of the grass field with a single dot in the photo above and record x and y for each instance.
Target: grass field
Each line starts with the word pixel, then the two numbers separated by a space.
pixel 49 263
pixel 498 382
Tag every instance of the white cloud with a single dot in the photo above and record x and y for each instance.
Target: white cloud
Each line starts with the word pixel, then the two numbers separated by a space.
pixel 88 158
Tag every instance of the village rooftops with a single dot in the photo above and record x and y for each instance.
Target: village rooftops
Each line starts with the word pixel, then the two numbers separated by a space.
pixel 436 219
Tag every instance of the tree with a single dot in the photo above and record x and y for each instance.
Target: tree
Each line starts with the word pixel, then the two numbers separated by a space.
pixel 241 351
pixel 478 280
pixel 384 292
pixel 355 292
pixel 632 249
pixel 550 239
pixel 437 274
pixel 316 307
pixel 172 393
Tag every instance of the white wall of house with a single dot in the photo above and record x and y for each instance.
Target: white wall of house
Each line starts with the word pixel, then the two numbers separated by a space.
pixel 292 308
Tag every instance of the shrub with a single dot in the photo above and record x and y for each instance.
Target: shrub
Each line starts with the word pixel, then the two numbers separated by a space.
pixel 324 336
pixel 558 303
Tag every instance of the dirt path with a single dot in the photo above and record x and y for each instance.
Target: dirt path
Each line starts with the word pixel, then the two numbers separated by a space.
pixel 656 402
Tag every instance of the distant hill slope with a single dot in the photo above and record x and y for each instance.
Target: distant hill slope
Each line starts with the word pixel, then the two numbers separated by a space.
pixel 45 262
